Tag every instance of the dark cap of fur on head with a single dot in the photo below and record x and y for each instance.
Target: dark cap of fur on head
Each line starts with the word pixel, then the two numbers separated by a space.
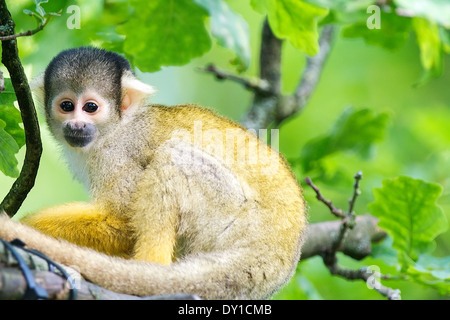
pixel 87 67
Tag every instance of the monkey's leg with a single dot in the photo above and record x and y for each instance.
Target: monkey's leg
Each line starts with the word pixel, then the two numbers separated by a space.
pixel 87 225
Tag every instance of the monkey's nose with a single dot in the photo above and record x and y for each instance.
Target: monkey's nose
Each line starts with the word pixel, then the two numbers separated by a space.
pixel 77 125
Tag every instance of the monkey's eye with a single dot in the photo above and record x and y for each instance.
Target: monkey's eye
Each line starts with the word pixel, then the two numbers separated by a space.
pixel 67 106
pixel 90 107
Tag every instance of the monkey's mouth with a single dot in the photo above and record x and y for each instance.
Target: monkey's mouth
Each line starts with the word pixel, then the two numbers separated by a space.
pixel 78 140
pixel 79 134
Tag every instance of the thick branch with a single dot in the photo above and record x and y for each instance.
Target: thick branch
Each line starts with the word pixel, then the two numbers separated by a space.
pixel 269 105
pixel 274 107
pixel 357 244
pixel 270 58
pixel 262 111
pixel 13 287
pixel 25 181
pixel 13 284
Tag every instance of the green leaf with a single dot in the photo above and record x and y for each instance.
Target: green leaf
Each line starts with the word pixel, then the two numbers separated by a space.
pixel 432 272
pixel 434 10
pixel 260 5
pixel 12 136
pixel 428 39
pixel 230 29
pixel 344 12
pixel 445 38
pixel 384 251
pixel 408 212
pixel 163 33
pixel 8 149
pixel 296 21
pixel 355 131
pixel 393 33
pixel 342 5
pixel 39 9
pixel 28 12
pixel 10 115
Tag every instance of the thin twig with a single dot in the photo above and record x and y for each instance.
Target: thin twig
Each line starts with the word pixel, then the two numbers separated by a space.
pixel 329 254
pixel 336 211
pixel 24 34
pixel 366 274
pixel 253 84
pixel 356 192
pixel 348 221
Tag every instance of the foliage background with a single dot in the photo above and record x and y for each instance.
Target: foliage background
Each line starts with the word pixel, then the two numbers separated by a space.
pixel 416 142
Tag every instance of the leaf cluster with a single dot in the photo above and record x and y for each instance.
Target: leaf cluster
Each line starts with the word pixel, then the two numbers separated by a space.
pixel 12 136
pixel 408 211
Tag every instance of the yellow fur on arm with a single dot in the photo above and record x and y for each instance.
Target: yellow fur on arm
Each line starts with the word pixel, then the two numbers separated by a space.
pixel 157 248
pixel 86 225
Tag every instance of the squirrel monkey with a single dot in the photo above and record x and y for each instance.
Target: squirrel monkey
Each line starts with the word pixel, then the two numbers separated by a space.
pixel 176 205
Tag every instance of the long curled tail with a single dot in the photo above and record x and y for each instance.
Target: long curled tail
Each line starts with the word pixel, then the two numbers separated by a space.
pixel 230 274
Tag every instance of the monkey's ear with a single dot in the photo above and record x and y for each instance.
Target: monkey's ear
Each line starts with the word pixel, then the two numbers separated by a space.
pixel 37 87
pixel 135 93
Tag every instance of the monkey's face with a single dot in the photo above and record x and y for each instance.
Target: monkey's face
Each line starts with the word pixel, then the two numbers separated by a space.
pixel 75 117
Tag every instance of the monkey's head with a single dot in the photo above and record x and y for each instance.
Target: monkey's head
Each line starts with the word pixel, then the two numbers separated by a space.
pixel 85 90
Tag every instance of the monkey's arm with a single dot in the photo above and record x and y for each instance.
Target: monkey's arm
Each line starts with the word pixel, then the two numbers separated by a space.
pixel 154 216
pixel 87 225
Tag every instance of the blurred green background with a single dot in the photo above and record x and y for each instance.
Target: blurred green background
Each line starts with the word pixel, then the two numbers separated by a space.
pixel 417 142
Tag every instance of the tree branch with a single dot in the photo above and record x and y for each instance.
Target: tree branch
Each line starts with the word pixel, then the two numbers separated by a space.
pixel 263 108
pixel 255 84
pixel 357 244
pixel 24 34
pixel 356 192
pixel 365 274
pixel 26 179
pixel 13 287
pixel 274 107
pixel 269 105
pixel 13 284
pixel 290 105
pixel 319 239
pixel 335 211
pixel 341 235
